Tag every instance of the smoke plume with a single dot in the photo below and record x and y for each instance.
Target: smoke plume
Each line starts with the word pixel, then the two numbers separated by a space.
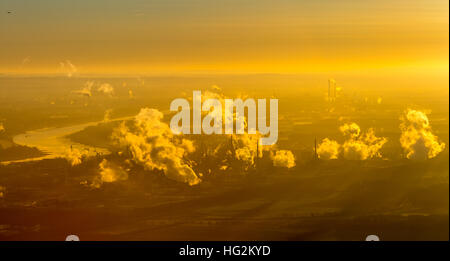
pixel 151 144
pixel 351 130
pixel 357 146
pixel 416 139
pixel 328 149
pixel 364 146
pixel 106 88
pixel 109 172
pixel 74 156
pixel 283 158
pixel 247 146
pixel 68 68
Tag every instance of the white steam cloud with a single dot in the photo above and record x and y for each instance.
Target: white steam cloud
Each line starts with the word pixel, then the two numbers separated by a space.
pixel 106 88
pixel 152 145
pixel 364 146
pixel 102 88
pixel 357 146
pixel 416 139
pixel 68 68
pixel 247 146
pixel 283 158
pixel 352 130
pixel 74 156
pixel 328 149
pixel 109 172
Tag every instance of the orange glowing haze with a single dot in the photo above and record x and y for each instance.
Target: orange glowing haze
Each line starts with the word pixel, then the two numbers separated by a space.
pixel 126 37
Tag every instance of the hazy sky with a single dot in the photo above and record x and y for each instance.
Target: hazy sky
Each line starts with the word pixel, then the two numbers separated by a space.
pixel 153 36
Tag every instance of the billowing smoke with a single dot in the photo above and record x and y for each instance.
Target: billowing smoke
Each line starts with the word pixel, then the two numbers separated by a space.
pixel 283 158
pixel 247 147
pixel 357 146
pixel 352 130
pixel 75 156
pixel 150 143
pixel 417 140
pixel 362 147
pixel 109 172
pixel 328 149
pixel 103 88
pixel 68 68
pixel 106 88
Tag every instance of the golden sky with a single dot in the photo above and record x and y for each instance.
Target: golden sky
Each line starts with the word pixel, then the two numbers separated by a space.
pixel 167 36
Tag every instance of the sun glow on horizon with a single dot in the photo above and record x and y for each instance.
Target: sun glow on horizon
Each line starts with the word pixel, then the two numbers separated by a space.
pixel 205 37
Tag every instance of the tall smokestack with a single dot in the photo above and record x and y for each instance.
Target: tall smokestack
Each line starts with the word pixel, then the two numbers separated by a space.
pixel 315 149
pixel 233 152
pixel 257 154
pixel 334 90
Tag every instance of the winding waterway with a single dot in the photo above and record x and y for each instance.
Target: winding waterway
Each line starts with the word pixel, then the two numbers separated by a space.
pixel 54 142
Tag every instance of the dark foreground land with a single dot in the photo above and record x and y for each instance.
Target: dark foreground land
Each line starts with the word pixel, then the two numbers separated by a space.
pixel 334 200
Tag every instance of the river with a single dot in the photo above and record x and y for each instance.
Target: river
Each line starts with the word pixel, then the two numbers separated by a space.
pixel 54 142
